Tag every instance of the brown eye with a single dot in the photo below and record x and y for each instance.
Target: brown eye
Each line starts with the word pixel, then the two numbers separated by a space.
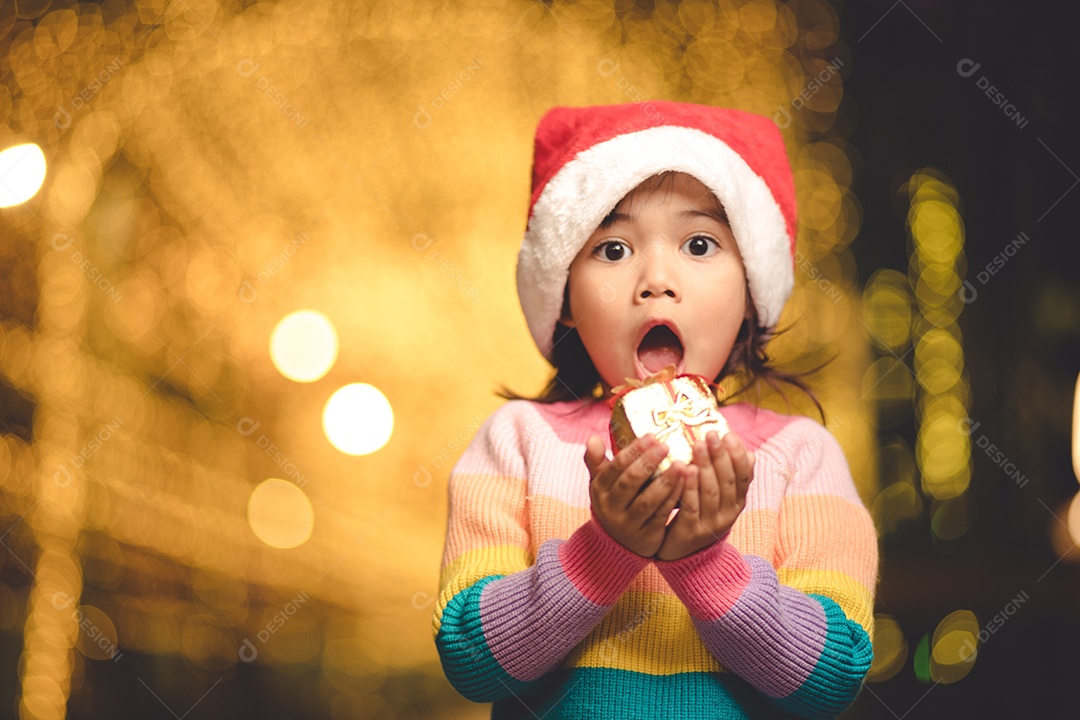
pixel 701 246
pixel 613 251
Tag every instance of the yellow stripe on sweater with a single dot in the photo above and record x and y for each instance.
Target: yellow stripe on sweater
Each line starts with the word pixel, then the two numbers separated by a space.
pixel 851 595
pixel 474 565
pixel 647 633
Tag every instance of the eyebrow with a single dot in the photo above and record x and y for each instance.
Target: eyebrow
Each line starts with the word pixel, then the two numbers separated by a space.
pixel 718 215
pixel 613 217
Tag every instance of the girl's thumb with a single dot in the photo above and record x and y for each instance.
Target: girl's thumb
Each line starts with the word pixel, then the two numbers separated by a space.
pixel 594 454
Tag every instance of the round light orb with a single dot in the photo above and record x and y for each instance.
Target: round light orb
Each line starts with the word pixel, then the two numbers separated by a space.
pixel 358 419
pixel 280 514
pixel 304 345
pixel 22 171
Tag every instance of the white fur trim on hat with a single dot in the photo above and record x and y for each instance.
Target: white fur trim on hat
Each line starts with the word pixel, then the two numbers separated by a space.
pixel 588 187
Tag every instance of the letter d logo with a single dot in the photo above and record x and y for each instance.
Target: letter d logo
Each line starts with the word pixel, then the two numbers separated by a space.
pixel 245 426
pixel 62 119
pixel 247 292
pixel 422 118
pixel 967 67
pixel 248 651
pixel 968 293
pixel 968 426
pixel 61 241
pixel 247 67
pixel 607 293
pixel 782 118
pixel 421 478
pixel 606 68
pixel 421 242
pixel 62 476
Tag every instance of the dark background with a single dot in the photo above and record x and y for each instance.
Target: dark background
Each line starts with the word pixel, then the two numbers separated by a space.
pixel 909 108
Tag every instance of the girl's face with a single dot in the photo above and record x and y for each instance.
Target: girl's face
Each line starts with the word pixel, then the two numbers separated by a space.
pixel 660 281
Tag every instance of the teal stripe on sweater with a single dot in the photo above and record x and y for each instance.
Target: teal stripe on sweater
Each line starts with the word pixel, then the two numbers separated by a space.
pixel 608 694
pixel 840 669
pixel 466 658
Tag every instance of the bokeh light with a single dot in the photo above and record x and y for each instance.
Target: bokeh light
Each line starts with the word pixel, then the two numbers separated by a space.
pixel 358 419
pixel 304 345
pixel 954 647
pixel 887 310
pixel 943 445
pixel 890 649
pixel 280 514
pixel 22 171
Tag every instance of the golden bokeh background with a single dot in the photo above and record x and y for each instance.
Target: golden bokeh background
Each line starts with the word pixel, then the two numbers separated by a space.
pixel 263 298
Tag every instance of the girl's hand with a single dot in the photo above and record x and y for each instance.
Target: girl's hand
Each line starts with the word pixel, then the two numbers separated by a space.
pixel 714 496
pixel 633 516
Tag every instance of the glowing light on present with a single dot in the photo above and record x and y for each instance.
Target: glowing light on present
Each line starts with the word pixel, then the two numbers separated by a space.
pixel 280 514
pixel 22 171
pixel 358 419
pixel 304 345
pixel 954 647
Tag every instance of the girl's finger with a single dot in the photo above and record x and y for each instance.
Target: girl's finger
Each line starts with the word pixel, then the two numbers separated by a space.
pixel 740 460
pixel 714 478
pixel 662 492
pixel 594 456
pixel 726 484
pixel 744 483
pixel 690 502
pixel 630 481
pixel 610 471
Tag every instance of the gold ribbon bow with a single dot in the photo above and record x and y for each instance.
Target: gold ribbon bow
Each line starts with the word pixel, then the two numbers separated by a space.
pixel 664 375
pixel 685 411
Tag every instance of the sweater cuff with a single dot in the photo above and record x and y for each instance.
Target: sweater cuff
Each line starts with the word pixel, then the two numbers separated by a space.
pixel 598 566
pixel 710 581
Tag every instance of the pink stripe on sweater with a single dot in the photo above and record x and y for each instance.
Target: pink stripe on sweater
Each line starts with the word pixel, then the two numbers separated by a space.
pixel 598 566
pixel 713 579
pixel 573 422
pixel 754 425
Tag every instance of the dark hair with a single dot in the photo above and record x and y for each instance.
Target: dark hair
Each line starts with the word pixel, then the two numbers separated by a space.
pixel 576 377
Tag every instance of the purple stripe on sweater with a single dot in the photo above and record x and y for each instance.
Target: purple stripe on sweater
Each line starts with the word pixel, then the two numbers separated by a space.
pixel 533 618
pixel 773 633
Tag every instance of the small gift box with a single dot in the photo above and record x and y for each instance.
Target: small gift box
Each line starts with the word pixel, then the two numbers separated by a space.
pixel 677 409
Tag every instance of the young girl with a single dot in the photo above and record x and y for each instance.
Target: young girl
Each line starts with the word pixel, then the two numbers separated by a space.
pixel 658 234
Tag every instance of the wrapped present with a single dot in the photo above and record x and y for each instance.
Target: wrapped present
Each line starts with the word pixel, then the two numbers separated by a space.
pixel 677 409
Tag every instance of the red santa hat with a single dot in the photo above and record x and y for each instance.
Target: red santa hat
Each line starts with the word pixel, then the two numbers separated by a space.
pixel 587 159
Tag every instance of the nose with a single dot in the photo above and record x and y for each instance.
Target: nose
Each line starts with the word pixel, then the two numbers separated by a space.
pixel 657 277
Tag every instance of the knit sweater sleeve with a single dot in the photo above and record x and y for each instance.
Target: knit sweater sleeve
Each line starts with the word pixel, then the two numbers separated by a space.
pixel 800 632
pixel 504 618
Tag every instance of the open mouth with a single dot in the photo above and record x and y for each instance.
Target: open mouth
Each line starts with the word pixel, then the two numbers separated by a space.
pixel 659 348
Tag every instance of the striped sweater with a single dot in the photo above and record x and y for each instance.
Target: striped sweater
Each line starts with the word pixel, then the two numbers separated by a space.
pixel 542 613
